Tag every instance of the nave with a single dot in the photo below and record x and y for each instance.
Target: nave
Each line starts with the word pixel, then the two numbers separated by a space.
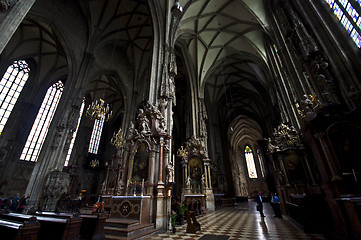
pixel 242 222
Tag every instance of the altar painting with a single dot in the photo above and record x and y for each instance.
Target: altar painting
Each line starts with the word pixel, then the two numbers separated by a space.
pixel 140 165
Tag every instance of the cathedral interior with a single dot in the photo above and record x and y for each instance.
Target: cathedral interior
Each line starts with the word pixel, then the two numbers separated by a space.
pixel 211 101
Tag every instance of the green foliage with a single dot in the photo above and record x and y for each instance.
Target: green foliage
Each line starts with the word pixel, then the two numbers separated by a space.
pixel 181 209
pixel 173 218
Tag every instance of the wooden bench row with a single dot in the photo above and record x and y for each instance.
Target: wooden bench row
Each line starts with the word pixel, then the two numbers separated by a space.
pixel 47 225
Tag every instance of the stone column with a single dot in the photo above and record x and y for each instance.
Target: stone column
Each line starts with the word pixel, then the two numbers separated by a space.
pixel 329 158
pixel 160 173
pixel 151 171
pixel 207 173
pixel 186 189
pixel 209 192
pixel 14 15
pixel 56 185
pixel 52 155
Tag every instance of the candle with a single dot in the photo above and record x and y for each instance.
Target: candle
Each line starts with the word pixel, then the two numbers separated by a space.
pixel 143 183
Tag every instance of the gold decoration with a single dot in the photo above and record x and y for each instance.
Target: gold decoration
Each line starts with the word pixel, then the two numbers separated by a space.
pixel 308 105
pixel 118 140
pixel 94 163
pixel 99 110
pixel 182 153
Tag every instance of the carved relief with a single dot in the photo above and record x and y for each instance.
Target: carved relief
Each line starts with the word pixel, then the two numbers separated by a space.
pixel 203 117
pixel 308 105
pixel 309 54
pixel 150 122
pixel 167 88
pixel 56 184
pixel 196 147
pixel 323 78
pixel 4 5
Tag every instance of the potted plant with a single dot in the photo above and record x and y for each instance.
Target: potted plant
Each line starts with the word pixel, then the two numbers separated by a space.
pixel 173 219
pixel 181 210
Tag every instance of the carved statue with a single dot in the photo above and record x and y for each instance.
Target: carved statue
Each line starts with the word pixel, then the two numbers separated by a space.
pixel 203 181
pixel 131 130
pixel 170 173
pixel 144 122
pixel 188 182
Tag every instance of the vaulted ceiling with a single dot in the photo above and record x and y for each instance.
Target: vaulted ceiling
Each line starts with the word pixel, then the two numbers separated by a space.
pixel 223 47
pixel 224 44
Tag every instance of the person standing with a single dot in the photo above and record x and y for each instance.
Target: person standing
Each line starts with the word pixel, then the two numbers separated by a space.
pixel 260 204
pixel 22 204
pixel 276 206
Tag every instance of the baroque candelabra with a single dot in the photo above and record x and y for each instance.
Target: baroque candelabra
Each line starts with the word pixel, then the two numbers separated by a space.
pixel 98 110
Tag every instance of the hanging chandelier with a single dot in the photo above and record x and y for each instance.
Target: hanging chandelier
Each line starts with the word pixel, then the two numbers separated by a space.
pixel 94 163
pixel 99 110
pixel 118 140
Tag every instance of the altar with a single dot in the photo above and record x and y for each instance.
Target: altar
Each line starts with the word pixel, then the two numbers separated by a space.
pixel 128 207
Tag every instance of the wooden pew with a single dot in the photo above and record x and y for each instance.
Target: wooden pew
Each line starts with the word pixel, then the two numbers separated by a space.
pixel 50 227
pixel 11 230
pixel 92 225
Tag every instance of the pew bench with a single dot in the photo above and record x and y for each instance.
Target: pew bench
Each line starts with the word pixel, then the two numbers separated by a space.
pixel 92 225
pixel 50 227
pixel 11 230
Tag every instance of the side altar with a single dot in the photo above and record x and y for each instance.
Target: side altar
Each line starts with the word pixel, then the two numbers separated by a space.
pixel 128 207
pixel 136 184
pixel 197 190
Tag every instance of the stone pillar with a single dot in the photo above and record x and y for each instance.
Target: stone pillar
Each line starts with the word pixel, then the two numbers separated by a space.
pixel 160 172
pixel 152 171
pixel 186 188
pixel 57 183
pixel 209 192
pixel 207 172
pixel 329 158
pixel 14 15
pixel 283 168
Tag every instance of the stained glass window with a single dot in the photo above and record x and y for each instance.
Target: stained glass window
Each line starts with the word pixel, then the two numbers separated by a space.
pixel 252 173
pixel 96 134
pixel 74 134
pixel 347 12
pixel 42 122
pixel 11 85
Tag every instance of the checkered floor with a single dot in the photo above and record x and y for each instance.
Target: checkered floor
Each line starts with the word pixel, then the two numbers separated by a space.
pixel 242 222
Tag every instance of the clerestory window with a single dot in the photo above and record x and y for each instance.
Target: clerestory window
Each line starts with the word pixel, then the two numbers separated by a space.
pixel 11 85
pixel 347 12
pixel 42 122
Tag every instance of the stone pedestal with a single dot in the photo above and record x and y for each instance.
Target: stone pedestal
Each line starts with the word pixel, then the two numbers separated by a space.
pixel 210 200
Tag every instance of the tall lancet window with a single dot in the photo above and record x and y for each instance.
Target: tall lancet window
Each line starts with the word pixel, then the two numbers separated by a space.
pixel 347 12
pixel 42 122
pixel 11 85
pixel 252 173
pixel 74 135
pixel 96 134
